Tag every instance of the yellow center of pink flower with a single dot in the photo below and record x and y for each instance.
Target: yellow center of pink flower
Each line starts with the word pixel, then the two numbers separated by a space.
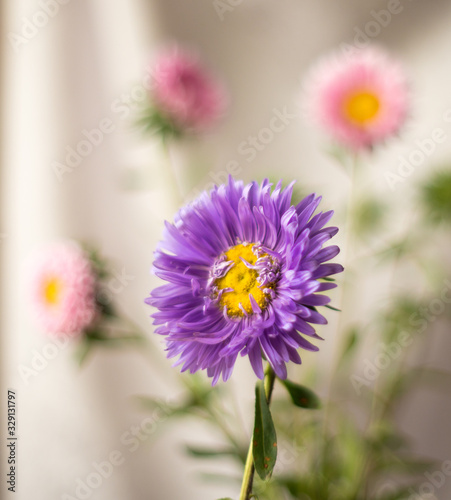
pixel 52 291
pixel 243 281
pixel 362 107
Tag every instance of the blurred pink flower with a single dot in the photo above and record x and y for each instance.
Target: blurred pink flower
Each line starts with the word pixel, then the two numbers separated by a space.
pixel 63 289
pixel 360 99
pixel 185 92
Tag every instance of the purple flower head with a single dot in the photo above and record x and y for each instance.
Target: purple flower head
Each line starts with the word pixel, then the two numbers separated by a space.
pixel 243 269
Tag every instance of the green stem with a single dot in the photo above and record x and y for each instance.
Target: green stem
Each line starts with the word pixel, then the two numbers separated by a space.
pixel 248 476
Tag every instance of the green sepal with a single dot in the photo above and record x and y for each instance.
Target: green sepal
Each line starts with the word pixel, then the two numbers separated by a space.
pixel 155 122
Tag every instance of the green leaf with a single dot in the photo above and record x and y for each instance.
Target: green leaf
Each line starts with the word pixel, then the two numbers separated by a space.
pixel 127 338
pixel 155 122
pixel 301 396
pixel 368 216
pixel 194 451
pixel 435 196
pixel 299 486
pixel 239 454
pixel 350 344
pixel 264 438
pixel 110 341
pixel 333 308
pixel 200 392
pixel 106 308
pixel 95 336
pixel 99 263
pixel 83 351
pixel 188 407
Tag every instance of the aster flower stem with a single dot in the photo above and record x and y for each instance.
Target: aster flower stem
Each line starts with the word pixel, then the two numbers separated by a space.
pixel 248 476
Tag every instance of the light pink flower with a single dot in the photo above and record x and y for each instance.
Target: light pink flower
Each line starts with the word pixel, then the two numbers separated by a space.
pixel 63 289
pixel 185 92
pixel 360 99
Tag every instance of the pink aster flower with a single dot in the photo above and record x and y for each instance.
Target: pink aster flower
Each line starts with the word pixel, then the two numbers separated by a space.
pixel 185 93
pixel 63 289
pixel 360 99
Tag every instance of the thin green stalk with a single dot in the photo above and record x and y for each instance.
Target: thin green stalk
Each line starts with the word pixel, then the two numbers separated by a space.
pixel 248 476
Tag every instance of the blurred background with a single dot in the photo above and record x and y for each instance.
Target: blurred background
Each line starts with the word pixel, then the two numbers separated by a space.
pixel 70 66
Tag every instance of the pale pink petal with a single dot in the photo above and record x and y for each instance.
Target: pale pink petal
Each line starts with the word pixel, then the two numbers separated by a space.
pixel 75 307
pixel 340 76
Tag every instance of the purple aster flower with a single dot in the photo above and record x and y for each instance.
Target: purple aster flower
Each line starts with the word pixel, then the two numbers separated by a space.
pixel 244 268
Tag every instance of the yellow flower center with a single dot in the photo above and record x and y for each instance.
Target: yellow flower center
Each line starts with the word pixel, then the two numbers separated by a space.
pixel 362 107
pixel 242 282
pixel 52 291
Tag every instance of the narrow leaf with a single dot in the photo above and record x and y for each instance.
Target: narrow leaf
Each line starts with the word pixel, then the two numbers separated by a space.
pixel 83 351
pixel 333 308
pixel 194 451
pixel 350 344
pixel 301 396
pixel 264 438
pixel 95 336
pixel 107 310
pixel 100 336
